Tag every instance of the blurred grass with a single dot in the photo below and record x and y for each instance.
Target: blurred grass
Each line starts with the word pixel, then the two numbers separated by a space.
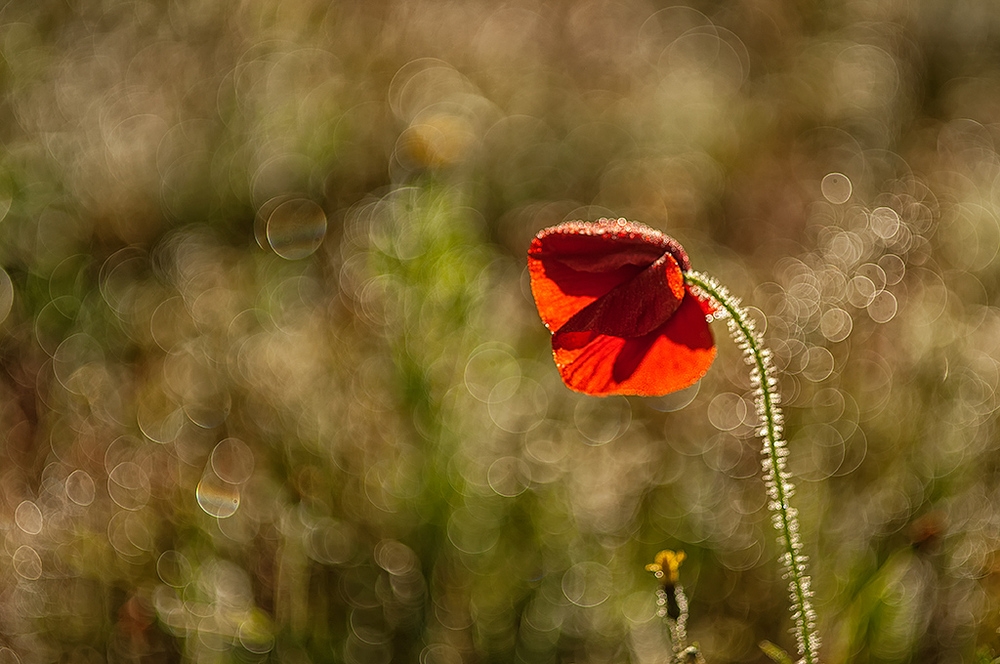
pixel 273 386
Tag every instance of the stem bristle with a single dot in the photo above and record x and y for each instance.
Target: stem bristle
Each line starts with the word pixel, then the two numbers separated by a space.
pixel 763 378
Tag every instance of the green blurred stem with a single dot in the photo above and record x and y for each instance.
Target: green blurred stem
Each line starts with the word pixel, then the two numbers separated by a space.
pixel 776 477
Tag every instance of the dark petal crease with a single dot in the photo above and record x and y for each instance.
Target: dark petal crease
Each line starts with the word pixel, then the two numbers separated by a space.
pixel 637 306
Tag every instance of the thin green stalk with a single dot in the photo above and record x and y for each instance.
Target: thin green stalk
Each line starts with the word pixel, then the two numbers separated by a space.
pixel 776 477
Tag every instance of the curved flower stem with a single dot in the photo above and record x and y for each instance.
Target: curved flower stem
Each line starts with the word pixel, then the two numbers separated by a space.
pixel 779 489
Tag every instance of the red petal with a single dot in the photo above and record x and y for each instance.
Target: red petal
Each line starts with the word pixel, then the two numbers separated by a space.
pixel 670 358
pixel 573 264
pixel 635 307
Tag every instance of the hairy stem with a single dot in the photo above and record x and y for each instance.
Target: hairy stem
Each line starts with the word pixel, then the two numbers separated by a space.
pixel 776 477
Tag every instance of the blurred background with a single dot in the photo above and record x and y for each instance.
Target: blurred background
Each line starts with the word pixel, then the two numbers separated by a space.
pixel 272 385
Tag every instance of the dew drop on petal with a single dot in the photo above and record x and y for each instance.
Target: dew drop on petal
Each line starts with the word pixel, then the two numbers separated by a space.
pixel 837 188
pixel 296 228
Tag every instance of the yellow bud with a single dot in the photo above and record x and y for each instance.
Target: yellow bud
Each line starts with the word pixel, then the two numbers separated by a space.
pixel 669 562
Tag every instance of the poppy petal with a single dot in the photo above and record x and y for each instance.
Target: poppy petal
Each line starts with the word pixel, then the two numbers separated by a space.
pixel 573 264
pixel 674 356
pixel 635 307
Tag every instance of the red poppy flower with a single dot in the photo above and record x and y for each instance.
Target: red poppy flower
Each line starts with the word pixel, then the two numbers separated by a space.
pixel 623 320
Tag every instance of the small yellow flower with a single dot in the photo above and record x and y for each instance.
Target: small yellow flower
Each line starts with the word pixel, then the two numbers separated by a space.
pixel 667 563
